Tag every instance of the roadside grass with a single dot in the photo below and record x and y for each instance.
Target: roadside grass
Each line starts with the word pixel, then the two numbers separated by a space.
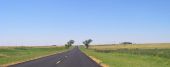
pixel 131 57
pixel 164 53
pixel 15 54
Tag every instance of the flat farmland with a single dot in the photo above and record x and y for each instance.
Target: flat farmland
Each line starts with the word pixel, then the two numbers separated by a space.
pixel 135 55
pixel 12 55
pixel 133 46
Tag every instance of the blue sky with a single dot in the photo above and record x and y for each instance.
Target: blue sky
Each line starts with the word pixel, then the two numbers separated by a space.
pixel 46 22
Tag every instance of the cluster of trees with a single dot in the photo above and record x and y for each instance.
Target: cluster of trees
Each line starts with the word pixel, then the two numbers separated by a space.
pixel 86 43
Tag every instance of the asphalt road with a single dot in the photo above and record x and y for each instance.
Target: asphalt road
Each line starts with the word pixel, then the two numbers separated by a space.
pixel 72 58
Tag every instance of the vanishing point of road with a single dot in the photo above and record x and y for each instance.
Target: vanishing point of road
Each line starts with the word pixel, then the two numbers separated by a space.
pixel 72 58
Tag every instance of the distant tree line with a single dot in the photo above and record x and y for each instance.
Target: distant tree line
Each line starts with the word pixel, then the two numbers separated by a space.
pixel 87 43
pixel 126 43
pixel 71 42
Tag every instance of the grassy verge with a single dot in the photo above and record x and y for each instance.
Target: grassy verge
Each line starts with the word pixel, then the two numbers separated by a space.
pixel 18 54
pixel 131 57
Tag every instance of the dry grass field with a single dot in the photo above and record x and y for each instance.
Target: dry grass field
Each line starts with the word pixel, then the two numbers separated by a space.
pixel 133 46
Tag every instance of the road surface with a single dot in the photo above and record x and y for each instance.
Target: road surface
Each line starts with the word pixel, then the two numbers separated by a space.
pixel 72 58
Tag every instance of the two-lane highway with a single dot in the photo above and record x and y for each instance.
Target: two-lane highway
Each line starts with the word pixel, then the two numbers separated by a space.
pixel 72 58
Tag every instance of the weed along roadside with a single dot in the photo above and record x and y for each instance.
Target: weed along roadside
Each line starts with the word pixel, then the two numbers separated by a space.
pixel 15 55
pixel 99 62
pixel 95 59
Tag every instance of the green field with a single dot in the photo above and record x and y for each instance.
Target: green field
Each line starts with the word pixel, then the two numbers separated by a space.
pixel 143 55
pixel 9 55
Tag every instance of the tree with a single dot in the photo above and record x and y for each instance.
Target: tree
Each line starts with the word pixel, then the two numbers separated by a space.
pixel 66 46
pixel 126 43
pixel 87 42
pixel 69 43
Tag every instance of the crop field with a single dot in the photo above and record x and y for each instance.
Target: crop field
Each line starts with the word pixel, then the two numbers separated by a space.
pixel 137 55
pixel 9 55
pixel 133 46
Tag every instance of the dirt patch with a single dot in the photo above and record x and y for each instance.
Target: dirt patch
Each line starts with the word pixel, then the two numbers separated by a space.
pixel 3 55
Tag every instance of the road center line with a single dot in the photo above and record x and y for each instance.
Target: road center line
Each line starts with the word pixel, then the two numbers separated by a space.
pixel 58 62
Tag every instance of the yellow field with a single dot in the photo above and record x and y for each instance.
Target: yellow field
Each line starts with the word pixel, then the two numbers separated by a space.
pixel 133 46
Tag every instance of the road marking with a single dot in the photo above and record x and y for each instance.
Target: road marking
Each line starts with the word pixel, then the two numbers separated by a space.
pixel 58 62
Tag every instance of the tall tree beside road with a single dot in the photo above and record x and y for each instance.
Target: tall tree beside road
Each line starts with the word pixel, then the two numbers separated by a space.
pixel 69 43
pixel 87 42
